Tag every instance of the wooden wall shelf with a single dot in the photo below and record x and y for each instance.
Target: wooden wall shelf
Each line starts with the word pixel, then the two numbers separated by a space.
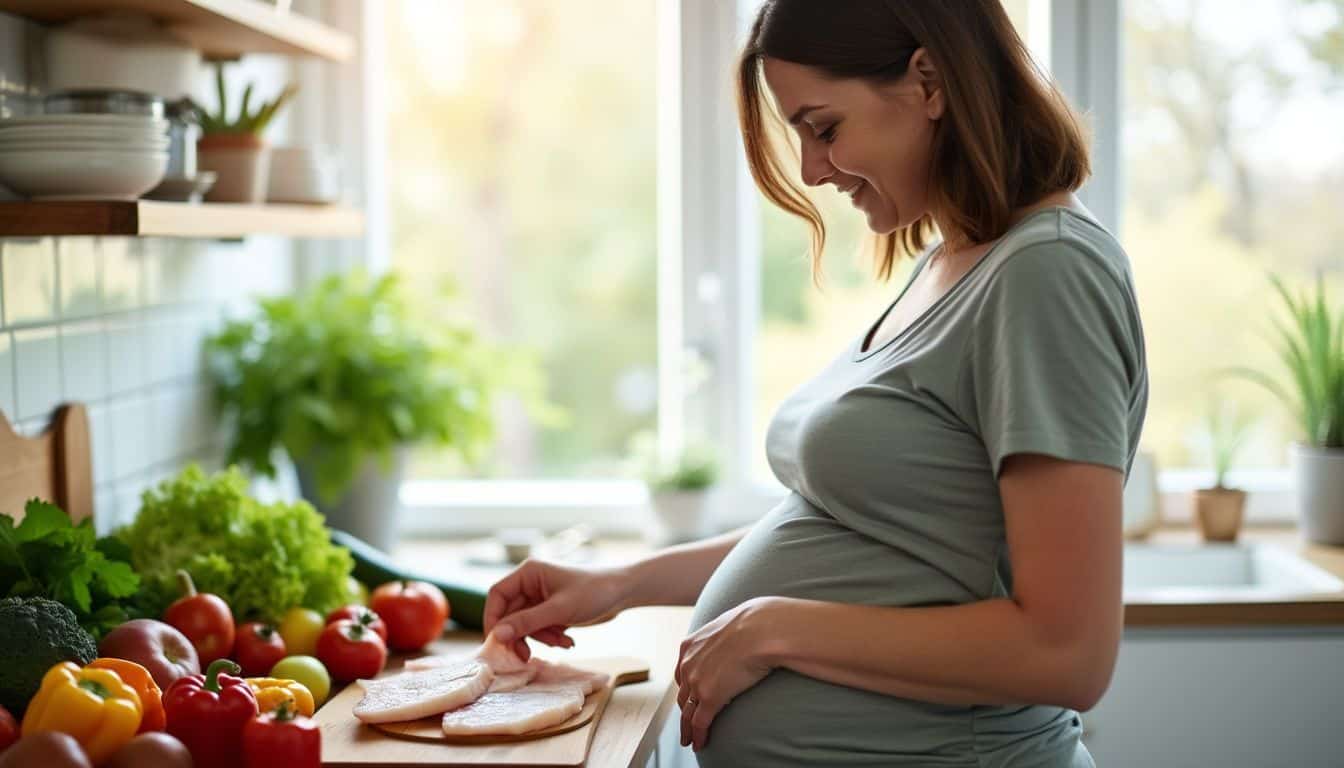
pixel 147 218
pixel 224 29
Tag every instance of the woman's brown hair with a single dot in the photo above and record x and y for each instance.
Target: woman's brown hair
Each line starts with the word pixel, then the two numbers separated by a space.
pixel 1007 137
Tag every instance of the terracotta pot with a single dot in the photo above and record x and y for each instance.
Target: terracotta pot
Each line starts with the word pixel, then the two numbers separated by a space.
pixel 242 162
pixel 1220 512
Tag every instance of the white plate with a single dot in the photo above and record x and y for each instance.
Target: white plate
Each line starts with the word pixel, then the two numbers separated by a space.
pixel 81 132
pixel 114 144
pixel 82 174
pixel 123 121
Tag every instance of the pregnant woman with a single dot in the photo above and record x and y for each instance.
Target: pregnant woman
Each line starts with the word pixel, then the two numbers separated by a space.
pixel 941 586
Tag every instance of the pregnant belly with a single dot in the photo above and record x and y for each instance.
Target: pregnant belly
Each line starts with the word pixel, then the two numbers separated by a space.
pixel 789 719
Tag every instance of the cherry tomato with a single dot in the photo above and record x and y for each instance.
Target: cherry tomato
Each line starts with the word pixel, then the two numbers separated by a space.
pixel 351 651
pixel 360 615
pixel 204 618
pixel 257 648
pixel 414 612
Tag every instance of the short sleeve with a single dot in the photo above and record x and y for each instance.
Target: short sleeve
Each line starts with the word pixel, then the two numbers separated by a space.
pixel 1052 358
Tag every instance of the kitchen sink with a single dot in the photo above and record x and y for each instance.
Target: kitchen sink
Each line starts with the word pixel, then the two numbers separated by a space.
pixel 1169 573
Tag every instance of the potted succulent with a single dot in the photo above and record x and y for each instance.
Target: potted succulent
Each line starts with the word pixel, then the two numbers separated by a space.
pixel 345 377
pixel 1311 346
pixel 1220 510
pixel 679 488
pixel 233 147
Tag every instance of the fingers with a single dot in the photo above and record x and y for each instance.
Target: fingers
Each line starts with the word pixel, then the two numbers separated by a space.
pixel 704 713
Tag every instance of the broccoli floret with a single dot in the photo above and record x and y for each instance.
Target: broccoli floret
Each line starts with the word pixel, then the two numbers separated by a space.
pixel 35 635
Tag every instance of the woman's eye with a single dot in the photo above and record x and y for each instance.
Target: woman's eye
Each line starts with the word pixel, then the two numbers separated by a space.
pixel 827 135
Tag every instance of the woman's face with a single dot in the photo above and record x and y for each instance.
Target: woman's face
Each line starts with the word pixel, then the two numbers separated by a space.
pixel 872 142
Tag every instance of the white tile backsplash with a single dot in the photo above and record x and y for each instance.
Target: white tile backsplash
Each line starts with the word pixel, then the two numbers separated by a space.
pixel 81 288
pixel 37 358
pixel 100 436
pixel 84 361
pixel 127 354
pixel 121 273
pixel 29 280
pixel 7 375
pixel 132 451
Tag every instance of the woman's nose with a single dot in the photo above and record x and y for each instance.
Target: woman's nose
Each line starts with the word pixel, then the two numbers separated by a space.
pixel 817 166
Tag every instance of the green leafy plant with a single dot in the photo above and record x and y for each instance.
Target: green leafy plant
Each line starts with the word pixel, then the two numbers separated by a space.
pixel 1225 429
pixel 695 468
pixel 247 121
pixel 47 556
pixel 263 559
pixel 1311 348
pixel 348 371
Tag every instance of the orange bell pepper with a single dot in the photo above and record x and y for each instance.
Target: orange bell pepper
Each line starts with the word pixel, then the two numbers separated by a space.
pixel 136 676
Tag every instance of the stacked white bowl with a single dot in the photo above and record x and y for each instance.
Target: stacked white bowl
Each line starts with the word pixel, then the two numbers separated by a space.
pixel 83 156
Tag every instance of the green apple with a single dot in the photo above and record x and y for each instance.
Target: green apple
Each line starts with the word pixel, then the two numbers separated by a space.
pixel 358 592
pixel 308 671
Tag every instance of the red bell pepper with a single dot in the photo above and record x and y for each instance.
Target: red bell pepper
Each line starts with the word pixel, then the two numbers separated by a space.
pixel 282 739
pixel 208 713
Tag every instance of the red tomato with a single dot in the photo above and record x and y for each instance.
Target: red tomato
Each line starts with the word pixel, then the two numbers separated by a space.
pixel 414 612
pixel 360 615
pixel 257 647
pixel 9 729
pixel 351 651
pixel 204 618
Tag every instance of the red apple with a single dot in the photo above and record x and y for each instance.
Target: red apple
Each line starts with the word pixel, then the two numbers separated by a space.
pixel 154 645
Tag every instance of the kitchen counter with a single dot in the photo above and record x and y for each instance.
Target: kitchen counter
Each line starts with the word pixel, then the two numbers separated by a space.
pixel 1304 609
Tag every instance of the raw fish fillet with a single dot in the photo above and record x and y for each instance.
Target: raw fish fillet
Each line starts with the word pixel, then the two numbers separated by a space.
pixel 515 712
pixel 551 673
pixel 423 693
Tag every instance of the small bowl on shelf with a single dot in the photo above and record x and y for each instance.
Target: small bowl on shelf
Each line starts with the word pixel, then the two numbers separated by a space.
pixel 180 189
pixel 82 174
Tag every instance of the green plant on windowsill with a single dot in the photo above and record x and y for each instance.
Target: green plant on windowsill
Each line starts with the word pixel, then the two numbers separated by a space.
pixel 1311 347
pixel 350 370
pixel 1224 434
pixel 695 468
pixel 1219 510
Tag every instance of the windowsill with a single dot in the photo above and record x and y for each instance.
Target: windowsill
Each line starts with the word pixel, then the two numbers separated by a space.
pixel 621 507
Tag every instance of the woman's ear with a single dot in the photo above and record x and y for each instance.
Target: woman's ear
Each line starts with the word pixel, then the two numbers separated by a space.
pixel 930 82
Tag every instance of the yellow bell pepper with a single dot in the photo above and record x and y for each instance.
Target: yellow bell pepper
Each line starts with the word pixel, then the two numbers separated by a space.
pixel 93 705
pixel 273 691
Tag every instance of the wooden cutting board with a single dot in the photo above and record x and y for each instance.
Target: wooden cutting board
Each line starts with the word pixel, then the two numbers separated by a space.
pixel 348 742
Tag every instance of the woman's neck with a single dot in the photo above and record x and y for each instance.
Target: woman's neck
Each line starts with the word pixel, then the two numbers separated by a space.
pixel 955 241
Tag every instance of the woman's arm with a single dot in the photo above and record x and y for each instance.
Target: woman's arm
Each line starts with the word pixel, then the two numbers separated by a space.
pixel 1053 642
pixel 676 575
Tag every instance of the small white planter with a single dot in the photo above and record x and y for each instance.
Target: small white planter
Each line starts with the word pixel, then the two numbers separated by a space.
pixel 681 516
pixel 371 508
pixel 1318 478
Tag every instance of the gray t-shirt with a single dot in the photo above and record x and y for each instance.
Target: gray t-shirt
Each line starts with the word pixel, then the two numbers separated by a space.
pixel 892 457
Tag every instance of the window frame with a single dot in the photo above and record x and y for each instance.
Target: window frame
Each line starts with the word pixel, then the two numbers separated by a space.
pixel 709 270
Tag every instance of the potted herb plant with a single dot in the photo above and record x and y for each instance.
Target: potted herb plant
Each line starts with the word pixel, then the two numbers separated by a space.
pixel 679 488
pixel 346 377
pixel 1220 510
pixel 233 147
pixel 1311 346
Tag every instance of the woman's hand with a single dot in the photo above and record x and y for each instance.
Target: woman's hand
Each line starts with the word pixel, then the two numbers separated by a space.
pixel 543 599
pixel 722 659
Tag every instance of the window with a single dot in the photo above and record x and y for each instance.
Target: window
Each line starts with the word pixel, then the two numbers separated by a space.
pixel 802 329
pixel 1232 167
pixel 522 166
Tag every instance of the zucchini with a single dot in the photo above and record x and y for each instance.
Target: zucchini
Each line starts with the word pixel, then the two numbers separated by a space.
pixel 373 567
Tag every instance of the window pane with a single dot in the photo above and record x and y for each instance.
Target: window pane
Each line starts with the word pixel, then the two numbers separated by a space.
pixel 522 166
pixel 802 329
pixel 1233 167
